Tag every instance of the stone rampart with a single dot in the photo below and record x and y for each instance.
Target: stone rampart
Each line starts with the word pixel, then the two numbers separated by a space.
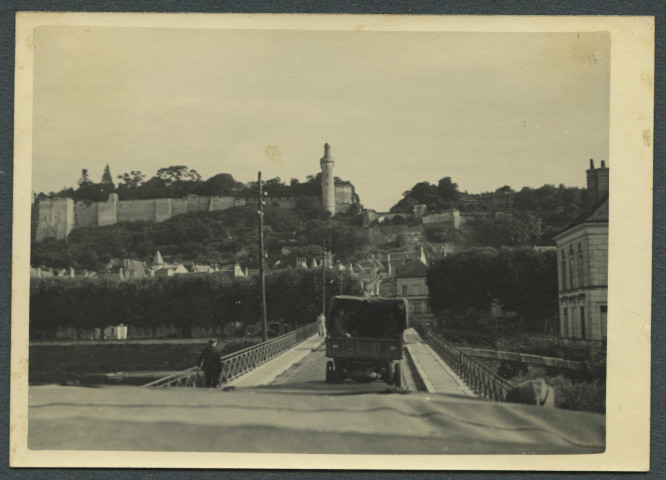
pixel 56 217
pixel 85 214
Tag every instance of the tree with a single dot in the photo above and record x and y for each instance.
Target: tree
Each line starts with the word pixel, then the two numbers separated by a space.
pixel 220 184
pixel 464 280
pixel 529 285
pixel 132 179
pixel 85 179
pixel 107 179
pixel 509 230
pixel 177 173
pixel 523 280
pixel 448 191
pixel 444 195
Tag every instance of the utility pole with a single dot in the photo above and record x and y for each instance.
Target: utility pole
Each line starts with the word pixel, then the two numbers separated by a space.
pixel 261 261
pixel 323 279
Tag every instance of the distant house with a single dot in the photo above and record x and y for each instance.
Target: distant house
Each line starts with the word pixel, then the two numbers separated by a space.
pixel 52 272
pixel 410 283
pixel 394 260
pixel 170 270
pixel 582 253
pixel 133 269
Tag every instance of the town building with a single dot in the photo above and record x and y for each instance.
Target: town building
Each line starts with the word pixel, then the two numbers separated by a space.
pixel 582 255
pixel 410 283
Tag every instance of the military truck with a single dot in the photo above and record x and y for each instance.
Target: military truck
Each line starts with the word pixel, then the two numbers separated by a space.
pixel 364 339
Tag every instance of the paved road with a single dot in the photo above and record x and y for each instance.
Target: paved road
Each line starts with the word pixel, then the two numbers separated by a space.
pixel 309 375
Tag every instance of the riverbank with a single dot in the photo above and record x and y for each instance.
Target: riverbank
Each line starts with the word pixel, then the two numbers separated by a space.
pixel 130 361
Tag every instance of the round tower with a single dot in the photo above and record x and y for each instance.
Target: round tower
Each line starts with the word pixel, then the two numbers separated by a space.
pixel 327 181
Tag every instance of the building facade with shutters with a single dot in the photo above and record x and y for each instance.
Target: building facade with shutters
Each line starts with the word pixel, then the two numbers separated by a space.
pixel 582 256
pixel 410 283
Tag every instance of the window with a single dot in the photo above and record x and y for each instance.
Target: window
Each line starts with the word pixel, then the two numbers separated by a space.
pixel 563 272
pixel 404 290
pixel 565 322
pixel 582 323
pixel 603 311
pixel 581 279
pixel 572 268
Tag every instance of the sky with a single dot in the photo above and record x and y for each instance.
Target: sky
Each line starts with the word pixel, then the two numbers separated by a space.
pixel 397 108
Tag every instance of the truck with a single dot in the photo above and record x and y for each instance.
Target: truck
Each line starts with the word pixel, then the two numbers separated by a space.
pixel 364 339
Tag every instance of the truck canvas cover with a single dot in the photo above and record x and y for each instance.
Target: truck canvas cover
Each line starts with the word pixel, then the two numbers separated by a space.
pixel 369 317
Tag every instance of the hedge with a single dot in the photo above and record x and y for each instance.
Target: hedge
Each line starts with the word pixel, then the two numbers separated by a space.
pixel 293 296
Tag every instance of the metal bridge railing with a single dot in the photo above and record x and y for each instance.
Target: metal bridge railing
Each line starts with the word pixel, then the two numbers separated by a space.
pixel 477 376
pixel 238 363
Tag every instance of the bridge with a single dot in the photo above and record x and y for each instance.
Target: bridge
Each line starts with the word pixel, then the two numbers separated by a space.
pixel 273 398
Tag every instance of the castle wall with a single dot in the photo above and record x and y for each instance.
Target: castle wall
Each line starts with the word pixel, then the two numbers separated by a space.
pixel 343 198
pixel 162 209
pixel 222 203
pixel 136 210
pixel 55 218
pixel 85 214
pixel 107 212
pixel 452 217
pixel 197 204
pixel 178 206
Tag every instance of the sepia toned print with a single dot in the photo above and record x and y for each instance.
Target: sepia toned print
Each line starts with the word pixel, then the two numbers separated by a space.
pixel 316 241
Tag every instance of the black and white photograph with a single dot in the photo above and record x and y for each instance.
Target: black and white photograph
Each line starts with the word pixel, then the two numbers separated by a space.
pixel 332 241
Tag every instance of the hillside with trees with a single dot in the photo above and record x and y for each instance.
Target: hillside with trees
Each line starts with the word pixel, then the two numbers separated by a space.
pixel 207 238
pixel 504 217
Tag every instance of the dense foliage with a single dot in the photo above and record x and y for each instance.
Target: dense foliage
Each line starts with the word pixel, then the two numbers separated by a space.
pixel 522 280
pixel 444 195
pixel 178 181
pixel 293 295
pixel 504 217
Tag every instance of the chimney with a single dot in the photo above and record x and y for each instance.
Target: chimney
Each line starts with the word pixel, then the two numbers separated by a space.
pixel 591 184
pixel 602 181
pixel 597 182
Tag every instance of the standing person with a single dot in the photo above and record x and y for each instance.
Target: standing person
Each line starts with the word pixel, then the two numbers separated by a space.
pixel 321 323
pixel 210 362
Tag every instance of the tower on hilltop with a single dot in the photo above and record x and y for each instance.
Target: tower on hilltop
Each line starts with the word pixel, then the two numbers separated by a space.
pixel 327 181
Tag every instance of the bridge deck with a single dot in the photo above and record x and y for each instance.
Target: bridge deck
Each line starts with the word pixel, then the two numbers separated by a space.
pixel 264 374
pixel 436 375
pixel 304 365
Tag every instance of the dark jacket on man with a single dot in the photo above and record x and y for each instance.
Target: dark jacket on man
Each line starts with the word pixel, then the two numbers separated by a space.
pixel 210 362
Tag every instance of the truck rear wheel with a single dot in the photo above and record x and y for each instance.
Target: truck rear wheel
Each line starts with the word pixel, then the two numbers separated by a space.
pixel 397 377
pixel 389 374
pixel 330 372
pixel 338 374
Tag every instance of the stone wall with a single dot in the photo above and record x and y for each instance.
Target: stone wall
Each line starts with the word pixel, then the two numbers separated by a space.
pixel 136 210
pixel 197 204
pixel 85 214
pixel 343 198
pixel 451 218
pixel 55 217
pixel 107 212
